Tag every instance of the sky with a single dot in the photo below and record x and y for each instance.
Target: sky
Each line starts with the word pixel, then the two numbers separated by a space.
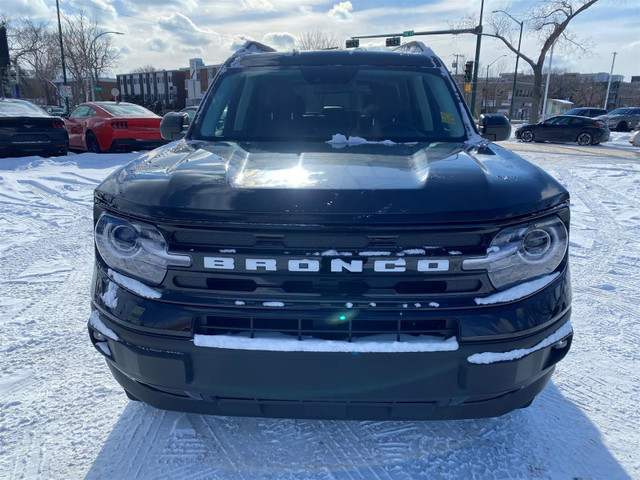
pixel 166 33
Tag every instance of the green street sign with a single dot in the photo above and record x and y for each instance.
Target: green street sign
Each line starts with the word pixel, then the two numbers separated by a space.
pixel 96 88
pixel 408 33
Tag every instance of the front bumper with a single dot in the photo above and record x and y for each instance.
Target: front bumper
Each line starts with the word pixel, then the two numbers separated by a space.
pixel 170 371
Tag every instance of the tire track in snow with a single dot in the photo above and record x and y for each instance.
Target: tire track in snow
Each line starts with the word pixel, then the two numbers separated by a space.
pixel 58 199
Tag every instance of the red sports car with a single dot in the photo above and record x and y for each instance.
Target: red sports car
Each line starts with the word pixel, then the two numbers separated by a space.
pixel 110 126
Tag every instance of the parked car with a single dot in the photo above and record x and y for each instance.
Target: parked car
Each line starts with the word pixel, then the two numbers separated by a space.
pixel 622 119
pixel 586 112
pixel 565 128
pixel 26 129
pixel 54 110
pixel 332 238
pixel 110 126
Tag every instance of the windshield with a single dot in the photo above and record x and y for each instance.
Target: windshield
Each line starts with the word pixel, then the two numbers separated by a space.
pixel 315 103
pixel 124 109
pixel 620 111
pixel 19 108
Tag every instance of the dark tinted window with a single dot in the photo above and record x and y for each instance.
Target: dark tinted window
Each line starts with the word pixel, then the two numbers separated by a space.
pixel 314 103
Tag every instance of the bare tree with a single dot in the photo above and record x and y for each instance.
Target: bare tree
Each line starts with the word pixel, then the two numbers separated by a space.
pixel 144 69
pixel 33 46
pixel 316 40
pixel 89 53
pixel 548 19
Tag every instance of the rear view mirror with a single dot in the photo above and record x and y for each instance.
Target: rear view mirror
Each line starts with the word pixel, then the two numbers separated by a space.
pixel 495 127
pixel 174 126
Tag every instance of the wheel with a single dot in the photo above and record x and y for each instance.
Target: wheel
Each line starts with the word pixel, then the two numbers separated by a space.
pixel 131 397
pixel 622 127
pixel 92 143
pixel 526 136
pixel 584 139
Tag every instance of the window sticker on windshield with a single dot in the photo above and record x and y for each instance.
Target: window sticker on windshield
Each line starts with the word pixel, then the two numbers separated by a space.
pixel 447 118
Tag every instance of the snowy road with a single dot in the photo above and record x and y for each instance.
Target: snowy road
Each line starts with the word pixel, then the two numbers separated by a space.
pixel 62 416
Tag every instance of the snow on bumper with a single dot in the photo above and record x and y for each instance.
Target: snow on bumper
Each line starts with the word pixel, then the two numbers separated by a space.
pixel 492 357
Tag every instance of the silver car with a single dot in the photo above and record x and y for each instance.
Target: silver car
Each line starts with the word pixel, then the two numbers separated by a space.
pixel 622 119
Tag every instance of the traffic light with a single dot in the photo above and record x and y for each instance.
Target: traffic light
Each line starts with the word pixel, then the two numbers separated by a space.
pixel 353 43
pixel 468 71
pixel 393 42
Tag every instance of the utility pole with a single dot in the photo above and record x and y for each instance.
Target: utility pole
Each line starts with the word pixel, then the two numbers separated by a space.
pixel 606 98
pixel 457 55
pixel 474 85
pixel 64 68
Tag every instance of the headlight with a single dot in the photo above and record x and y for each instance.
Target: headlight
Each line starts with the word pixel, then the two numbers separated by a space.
pixel 136 249
pixel 522 253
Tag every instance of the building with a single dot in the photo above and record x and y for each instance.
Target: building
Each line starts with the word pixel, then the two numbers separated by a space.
pixel 159 90
pixel 199 77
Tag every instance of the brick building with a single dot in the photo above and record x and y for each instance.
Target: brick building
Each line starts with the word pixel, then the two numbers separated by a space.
pixel 163 89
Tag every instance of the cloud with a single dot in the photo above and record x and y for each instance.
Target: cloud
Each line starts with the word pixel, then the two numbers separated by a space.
pixel 258 5
pixel 156 45
pixel 280 40
pixel 187 31
pixel 341 11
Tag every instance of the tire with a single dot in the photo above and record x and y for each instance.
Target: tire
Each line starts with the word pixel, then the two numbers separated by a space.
pixel 526 136
pixel 92 143
pixel 584 138
pixel 622 127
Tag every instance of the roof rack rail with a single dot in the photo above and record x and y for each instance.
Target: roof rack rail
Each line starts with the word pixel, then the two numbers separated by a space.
pixel 415 47
pixel 419 48
pixel 246 49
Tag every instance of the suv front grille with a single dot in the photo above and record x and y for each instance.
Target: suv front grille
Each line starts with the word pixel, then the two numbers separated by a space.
pixel 240 299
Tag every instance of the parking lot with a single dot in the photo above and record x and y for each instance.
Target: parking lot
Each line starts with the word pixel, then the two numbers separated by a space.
pixel 63 416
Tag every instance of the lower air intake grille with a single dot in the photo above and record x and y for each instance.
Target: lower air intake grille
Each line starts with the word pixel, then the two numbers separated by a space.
pixel 332 327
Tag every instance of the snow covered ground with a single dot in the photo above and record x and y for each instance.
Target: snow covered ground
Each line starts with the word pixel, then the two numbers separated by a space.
pixel 62 416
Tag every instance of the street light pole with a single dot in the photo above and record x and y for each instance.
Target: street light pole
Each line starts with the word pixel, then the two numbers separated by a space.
pixel 515 73
pixel 92 49
pixel 606 98
pixel 486 82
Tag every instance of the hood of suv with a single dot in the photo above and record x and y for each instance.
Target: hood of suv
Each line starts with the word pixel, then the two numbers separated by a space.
pixel 432 182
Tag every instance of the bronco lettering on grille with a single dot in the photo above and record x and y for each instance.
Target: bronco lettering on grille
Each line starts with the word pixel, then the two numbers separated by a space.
pixel 337 265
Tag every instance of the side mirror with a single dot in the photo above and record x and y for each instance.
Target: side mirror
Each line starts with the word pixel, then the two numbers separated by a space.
pixel 495 127
pixel 174 126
